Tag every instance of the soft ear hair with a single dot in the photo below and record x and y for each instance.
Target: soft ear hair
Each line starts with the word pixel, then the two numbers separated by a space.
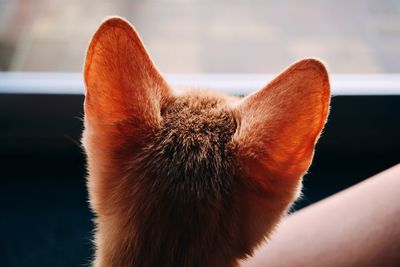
pixel 280 124
pixel 121 80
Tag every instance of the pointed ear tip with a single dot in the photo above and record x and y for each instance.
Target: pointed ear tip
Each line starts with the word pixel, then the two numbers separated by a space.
pixel 114 21
pixel 317 67
pixel 107 23
pixel 313 64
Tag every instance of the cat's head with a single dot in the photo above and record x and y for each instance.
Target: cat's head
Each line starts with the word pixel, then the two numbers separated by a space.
pixel 193 177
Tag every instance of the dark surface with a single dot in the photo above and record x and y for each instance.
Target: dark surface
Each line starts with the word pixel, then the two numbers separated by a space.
pixel 45 219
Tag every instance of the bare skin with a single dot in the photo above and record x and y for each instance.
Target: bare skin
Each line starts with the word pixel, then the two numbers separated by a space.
pixel 359 226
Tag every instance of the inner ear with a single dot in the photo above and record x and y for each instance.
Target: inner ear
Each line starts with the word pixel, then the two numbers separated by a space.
pixel 121 80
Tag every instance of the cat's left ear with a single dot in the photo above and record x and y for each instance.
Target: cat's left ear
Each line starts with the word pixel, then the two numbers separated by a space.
pixel 121 81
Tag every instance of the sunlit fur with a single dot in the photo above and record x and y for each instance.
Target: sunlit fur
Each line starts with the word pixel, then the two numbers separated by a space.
pixel 191 177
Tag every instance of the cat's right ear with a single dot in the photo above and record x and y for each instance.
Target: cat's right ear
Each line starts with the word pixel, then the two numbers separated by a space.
pixel 121 81
pixel 281 123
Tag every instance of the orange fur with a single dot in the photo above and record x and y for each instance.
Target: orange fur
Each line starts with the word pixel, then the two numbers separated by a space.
pixel 196 178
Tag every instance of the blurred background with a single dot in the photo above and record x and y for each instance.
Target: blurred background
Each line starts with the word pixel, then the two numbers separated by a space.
pixel 44 215
pixel 191 36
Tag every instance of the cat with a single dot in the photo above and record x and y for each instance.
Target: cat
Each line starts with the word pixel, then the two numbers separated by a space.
pixel 191 177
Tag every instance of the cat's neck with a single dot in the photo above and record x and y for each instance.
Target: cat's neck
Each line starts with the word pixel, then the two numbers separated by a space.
pixel 117 248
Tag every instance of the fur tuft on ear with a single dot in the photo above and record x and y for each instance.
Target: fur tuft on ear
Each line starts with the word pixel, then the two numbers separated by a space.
pixel 121 80
pixel 281 123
